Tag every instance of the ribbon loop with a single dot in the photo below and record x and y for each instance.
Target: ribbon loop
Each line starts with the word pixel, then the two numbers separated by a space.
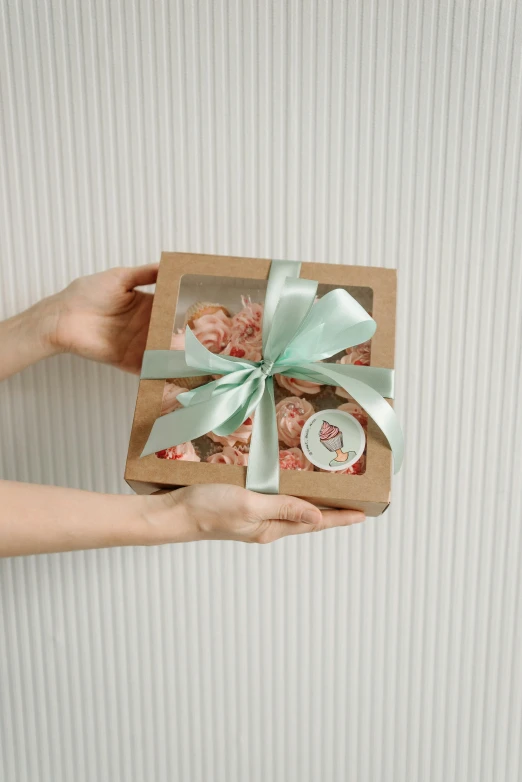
pixel 279 271
pixel 298 334
pixel 296 298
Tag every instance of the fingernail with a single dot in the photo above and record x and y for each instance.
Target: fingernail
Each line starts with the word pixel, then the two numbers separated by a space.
pixel 311 517
pixel 358 518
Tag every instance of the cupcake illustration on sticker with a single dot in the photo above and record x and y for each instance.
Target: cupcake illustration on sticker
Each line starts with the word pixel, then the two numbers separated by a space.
pixel 333 440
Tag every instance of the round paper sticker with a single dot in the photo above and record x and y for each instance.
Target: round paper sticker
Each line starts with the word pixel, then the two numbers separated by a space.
pixel 333 440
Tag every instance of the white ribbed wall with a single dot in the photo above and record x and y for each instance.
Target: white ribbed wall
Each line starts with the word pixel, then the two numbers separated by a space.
pixel 379 132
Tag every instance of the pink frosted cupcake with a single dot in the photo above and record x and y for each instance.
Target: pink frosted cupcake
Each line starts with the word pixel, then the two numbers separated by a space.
pixel 247 325
pixel 185 452
pixel 241 436
pixel 170 402
pixel 246 337
pixel 359 355
pixel 291 414
pixel 229 455
pixel 356 410
pixel 177 341
pixel 294 459
pixel 212 330
pixel 202 308
pixel 297 387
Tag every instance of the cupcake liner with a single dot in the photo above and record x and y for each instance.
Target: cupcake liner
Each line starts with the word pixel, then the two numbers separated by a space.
pixel 334 443
pixel 200 308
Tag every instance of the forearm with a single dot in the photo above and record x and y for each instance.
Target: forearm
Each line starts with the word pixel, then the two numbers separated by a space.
pixel 26 338
pixel 44 519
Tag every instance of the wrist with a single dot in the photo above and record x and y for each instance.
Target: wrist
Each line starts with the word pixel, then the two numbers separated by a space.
pixel 165 519
pixel 26 338
pixel 46 313
pixel 37 328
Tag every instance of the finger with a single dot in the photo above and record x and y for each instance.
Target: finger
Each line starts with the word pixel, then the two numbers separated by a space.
pixel 330 519
pixel 341 518
pixel 140 275
pixel 275 506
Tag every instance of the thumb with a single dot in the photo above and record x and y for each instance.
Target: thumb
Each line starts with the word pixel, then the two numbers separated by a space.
pixel 285 508
pixel 135 276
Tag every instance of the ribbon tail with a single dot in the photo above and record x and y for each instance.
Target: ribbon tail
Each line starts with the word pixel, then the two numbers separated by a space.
pixel 193 421
pixel 263 461
pixel 243 412
pixel 382 413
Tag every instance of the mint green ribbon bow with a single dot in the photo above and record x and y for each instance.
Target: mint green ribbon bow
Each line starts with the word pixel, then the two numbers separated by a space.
pixel 298 333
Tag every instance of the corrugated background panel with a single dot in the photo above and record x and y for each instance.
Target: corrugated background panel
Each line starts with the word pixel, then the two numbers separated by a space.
pixel 372 132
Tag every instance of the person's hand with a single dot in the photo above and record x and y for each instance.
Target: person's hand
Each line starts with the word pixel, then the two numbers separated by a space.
pixel 224 512
pixel 102 317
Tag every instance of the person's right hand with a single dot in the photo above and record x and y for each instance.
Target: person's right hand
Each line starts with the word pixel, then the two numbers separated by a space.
pixel 224 512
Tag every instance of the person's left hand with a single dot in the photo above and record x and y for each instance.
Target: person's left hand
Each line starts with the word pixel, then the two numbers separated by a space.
pixel 102 317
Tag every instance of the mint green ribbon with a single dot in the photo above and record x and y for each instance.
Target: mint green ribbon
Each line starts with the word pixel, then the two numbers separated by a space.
pixel 298 334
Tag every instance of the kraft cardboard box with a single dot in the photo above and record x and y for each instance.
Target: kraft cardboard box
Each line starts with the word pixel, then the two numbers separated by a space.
pixel 184 279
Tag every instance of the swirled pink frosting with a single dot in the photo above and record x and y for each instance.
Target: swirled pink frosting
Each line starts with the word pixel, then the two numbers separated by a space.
pixel 354 409
pixel 359 354
pixel 294 459
pixel 241 436
pixel 185 452
pixel 291 414
pixel 229 455
pixel 328 431
pixel 170 402
pixel 297 387
pixel 246 327
pixel 213 330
